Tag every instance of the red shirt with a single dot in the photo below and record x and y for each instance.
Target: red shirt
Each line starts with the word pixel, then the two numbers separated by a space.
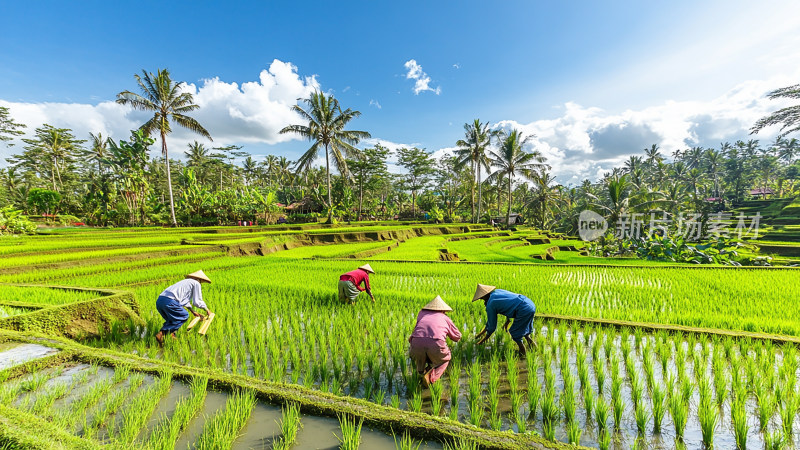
pixel 356 277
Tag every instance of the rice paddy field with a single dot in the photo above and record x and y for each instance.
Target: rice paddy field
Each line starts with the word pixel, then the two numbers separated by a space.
pixel 627 355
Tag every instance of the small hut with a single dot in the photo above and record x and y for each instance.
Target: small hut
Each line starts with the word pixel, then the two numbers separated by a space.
pixel 761 192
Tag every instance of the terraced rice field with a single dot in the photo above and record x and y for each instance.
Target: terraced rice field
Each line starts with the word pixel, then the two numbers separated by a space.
pixel 279 323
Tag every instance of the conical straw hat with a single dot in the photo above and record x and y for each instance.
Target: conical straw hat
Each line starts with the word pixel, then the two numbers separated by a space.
pixel 199 276
pixel 482 290
pixel 437 304
pixel 367 267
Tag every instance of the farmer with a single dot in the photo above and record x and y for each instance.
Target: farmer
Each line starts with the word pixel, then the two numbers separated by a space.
pixel 350 284
pixel 514 306
pixel 429 348
pixel 172 303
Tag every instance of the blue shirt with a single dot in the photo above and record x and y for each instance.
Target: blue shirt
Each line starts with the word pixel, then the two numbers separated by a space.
pixel 505 303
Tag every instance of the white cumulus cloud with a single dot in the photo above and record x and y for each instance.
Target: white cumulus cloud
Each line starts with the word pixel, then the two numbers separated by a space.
pixel 253 112
pixel 421 79
pixel 586 142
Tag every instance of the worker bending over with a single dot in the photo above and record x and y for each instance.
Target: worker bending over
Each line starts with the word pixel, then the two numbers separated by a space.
pixel 350 284
pixel 513 306
pixel 172 303
pixel 429 349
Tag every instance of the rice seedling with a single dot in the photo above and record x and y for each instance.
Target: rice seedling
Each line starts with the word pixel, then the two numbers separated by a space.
pixel 549 406
pixel 461 444
pixel 600 374
pixel 474 399
pixel 708 415
pixel 415 402
pixel 642 416
pixel 436 389
pixel 351 432
pixel 637 390
pixel 766 408
pixel 549 430
pixel 740 427
pixel 223 428
pixel 166 434
pixel 407 442
pixel 788 410
pixel 111 405
pixel 568 398
pixel 588 402
pixel 601 413
pixel 534 389
pixel 619 408
pixel 679 411
pixel 493 393
pixel 774 440
pixel 658 399
pixel 604 443
pixel 46 399
pixel 138 410
pixel 290 424
pixel 574 432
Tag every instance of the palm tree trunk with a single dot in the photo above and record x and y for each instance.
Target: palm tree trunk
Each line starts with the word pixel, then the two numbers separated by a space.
pixel 508 211
pixel 413 205
pixel 360 195
pixel 472 193
pixel 328 173
pixel 169 179
pixel 480 199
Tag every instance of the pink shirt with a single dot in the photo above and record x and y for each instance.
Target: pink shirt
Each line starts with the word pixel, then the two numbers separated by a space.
pixel 435 325
pixel 356 277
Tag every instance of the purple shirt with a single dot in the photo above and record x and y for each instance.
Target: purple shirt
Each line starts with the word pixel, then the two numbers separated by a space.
pixel 435 325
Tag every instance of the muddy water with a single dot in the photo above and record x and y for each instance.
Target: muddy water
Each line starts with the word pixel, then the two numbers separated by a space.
pixel 166 407
pixel 74 373
pixel 324 433
pixel 261 429
pixel 215 401
pixel 18 354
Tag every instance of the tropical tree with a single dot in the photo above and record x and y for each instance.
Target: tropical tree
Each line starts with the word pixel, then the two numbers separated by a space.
pixel 52 150
pixel 169 102
pixel 8 128
pixel 326 129
pixel 614 198
pixel 788 118
pixel 419 165
pixel 472 150
pixel 368 170
pixel 511 159
pixel 128 161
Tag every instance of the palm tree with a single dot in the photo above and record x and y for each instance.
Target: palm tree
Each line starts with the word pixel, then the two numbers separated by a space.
pixel 788 118
pixel 713 167
pixel 164 97
pixel 472 150
pixel 99 150
pixel 511 159
pixel 326 122
pixel 250 168
pixel 544 195
pixel 653 155
pixel 616 199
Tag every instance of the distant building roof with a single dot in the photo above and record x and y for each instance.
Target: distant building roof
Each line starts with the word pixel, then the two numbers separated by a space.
pixel 761 191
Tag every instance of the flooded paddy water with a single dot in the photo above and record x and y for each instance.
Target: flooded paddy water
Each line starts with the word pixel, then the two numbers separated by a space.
pixel 105 418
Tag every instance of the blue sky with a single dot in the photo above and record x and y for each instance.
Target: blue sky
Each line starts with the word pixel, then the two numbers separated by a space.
pixel 594 81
